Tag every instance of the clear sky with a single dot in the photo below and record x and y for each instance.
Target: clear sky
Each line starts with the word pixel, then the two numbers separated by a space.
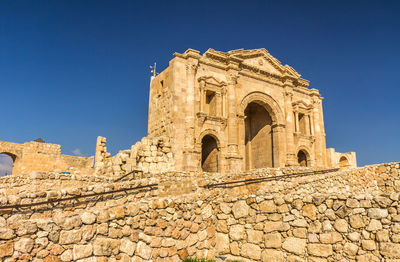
pixel 73 70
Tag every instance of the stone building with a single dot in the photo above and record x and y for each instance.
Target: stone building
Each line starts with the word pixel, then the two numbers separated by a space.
pixel 239 110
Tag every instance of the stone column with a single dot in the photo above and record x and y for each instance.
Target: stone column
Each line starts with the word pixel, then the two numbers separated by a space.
pixel 218 109
pixel 202 95
pixel 322 134
pixel 308 130
pixel 311 123
pixel 318 134
pixel 290 129
pixel 234 123
pixel 241 139
pixel 223 92
pixel 296 116
pixel 278 133
pixel 190 161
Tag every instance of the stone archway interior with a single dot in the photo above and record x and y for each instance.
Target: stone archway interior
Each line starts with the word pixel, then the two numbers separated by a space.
pixel 302 158
pixel 209 154
pixel 258 137
pixel 343 162
pixel 6 163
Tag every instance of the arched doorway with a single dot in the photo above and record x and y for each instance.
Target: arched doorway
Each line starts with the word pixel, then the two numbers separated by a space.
pixel 258 137
pixel 302 158
pixel 6 163
pixel 209 154
pixel 343 163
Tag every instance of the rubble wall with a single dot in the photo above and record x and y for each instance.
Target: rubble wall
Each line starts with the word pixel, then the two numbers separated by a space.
pixel 150 155
pixel 350 215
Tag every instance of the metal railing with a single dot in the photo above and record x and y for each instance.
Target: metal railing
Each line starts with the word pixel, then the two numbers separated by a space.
pixel 58 200
pixel 154 186
pixel 265 179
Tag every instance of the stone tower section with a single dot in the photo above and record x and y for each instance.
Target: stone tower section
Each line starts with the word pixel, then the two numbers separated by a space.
pixel 238 110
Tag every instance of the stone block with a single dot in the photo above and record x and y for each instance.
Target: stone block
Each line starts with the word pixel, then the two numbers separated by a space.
pixel 251 251
pixel 82 251
pixel 320 250
pixel 272 255
pixel 273 240
pixel 240 209
pixel 294 245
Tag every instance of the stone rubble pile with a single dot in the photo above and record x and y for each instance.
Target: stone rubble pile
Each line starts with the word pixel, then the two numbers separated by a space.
pixel 150 155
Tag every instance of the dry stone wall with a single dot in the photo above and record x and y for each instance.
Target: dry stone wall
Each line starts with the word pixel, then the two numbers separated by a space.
pixel 351 215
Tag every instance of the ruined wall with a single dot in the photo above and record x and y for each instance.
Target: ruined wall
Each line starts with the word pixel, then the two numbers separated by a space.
pixel 44 157
pixel 341 160
pixel 340 216
pixel 148 155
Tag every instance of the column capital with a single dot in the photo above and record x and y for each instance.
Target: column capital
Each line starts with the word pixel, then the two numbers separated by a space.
pixel 232 78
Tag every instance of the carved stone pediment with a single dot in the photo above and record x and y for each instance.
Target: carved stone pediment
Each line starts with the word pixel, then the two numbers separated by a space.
pixel 262 63
pixel 210 80
pixel 303 105
pixel 256 60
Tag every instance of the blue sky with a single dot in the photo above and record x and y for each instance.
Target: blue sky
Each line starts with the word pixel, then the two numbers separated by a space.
pixel 73 70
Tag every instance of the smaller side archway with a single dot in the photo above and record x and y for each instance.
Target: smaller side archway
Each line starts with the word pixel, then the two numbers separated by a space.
pixel 7 161
pixel 210 160
pixel 303 158
pixel 343 163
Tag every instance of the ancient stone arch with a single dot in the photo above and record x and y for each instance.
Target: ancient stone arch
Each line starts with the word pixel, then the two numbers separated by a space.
pixel 307 154
pixel 269 137
pixel 209 146
pixel 267 102
pixel 302 158
pixel 210 132
pixel 343 162
pixel 11 149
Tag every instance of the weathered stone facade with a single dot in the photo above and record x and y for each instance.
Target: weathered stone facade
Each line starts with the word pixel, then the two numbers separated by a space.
pixel 239 110
pixel 351 215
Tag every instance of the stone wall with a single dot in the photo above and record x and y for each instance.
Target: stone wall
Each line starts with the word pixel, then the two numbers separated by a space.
pixel 44 157
pixel 148 155
pixel 350 215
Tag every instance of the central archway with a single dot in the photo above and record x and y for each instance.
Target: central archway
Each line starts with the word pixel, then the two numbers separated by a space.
pixel 258 137
pixel 209 154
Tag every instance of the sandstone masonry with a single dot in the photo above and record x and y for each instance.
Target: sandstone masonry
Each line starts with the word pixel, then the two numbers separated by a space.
pixel 239 110
pixel 46 157
pixel 350 215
